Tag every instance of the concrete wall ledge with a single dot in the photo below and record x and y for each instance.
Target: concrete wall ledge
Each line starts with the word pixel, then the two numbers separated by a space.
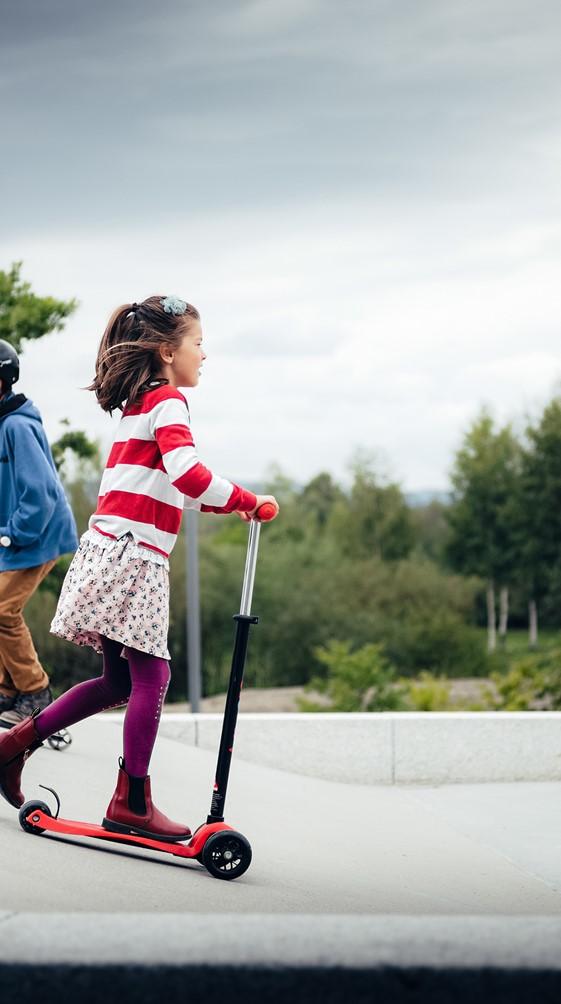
pixel 392 747
pixel 178 957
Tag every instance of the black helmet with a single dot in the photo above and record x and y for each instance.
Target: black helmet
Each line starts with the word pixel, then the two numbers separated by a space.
pixel 9 363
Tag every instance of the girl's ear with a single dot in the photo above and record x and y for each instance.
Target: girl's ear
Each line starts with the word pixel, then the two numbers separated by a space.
pixel 166 353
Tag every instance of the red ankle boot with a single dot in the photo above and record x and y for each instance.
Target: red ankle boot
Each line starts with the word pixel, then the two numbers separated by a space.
pixel 131 811
pixel 16 746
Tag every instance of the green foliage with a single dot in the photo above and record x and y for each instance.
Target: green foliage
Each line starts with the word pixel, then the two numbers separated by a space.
pixel 362 680
pixel 319 498
pixel 484 481
pixel 428 692
pixel 307 592
pixel 415 609
pixel 439 639
pixel 551 692
pixel 75 443
pixel 519 688
pixel 25 316
pixel 538 512
pixel 430 528
pixel 533 682
pixel 505 517
pixel 373 520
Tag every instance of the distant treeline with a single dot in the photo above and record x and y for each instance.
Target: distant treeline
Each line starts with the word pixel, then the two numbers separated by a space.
pixel 353 567
pixel 362 566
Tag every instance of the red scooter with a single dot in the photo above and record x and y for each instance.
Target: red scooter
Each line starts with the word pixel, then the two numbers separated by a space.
pixel 224 852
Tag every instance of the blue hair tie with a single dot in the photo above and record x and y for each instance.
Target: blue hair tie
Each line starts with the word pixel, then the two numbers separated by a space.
pixel 173 305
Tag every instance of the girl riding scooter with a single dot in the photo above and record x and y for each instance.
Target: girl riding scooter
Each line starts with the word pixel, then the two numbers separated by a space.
pixel 115 595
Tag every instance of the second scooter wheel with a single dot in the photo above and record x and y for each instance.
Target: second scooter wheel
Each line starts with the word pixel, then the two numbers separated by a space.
pixel 31 807
pixel 60 739
pixel 226 854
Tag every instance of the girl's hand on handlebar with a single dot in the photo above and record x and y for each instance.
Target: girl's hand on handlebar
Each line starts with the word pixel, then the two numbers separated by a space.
pixel 253 513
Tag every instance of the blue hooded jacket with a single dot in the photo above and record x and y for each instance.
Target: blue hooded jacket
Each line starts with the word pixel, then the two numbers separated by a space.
pixel 34 511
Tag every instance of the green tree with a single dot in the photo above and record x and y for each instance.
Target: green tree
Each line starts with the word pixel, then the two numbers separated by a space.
pixel 482 537
pixel 537 514
pixel 318 498
pixel 374 519
pixel 24 316
pixel 75 443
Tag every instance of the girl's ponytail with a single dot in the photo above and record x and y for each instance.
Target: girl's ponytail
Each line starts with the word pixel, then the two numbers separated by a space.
pixel 128 358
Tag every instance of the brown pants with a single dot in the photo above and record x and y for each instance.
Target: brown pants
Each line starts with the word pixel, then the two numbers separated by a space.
pixel 20 669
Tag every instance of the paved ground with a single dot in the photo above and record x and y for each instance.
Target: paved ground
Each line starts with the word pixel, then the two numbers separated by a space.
pixel 319 847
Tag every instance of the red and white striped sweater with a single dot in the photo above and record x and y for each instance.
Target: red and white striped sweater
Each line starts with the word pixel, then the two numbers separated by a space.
pixel 153 473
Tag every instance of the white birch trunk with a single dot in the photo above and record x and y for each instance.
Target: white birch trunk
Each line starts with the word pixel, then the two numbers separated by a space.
pixel 503 613
pixel 491 617
pixel 533 621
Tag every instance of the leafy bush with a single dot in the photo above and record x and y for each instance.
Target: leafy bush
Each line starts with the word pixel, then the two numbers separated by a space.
pixel 428 693
pixel 362 680
pixel 533 683
pixel 439 640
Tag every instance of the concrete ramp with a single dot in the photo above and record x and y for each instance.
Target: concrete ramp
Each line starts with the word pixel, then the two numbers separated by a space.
pixel 356 892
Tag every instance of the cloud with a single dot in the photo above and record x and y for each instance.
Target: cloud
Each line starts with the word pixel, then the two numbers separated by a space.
pixel 121 110
pixel 361 198
pixel 346 333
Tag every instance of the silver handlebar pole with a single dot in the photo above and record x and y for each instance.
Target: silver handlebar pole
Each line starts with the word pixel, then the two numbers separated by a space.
pixel 244 620
pixel 250 563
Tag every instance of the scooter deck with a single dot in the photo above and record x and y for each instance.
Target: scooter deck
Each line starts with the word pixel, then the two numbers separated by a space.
pixel 41 821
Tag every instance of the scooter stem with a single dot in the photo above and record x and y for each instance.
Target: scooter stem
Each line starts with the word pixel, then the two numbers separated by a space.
pixel 244 620
pixel 250 564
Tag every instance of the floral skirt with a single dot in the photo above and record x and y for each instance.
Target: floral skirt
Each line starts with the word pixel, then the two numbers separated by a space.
pixel 118 589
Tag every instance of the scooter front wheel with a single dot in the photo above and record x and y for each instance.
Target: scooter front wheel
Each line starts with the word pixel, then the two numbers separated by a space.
pixel 30 808
pixel 226 854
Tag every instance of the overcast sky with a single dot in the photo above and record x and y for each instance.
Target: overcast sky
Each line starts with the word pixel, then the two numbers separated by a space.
pixel 361 198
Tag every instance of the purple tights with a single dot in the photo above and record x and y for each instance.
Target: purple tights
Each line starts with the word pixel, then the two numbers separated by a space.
pixel 140 682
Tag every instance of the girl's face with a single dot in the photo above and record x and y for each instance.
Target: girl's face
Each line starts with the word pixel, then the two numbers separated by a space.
pixel 182 365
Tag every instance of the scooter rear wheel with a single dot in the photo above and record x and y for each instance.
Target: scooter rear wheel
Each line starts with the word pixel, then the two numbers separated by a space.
pixel 28 807
pixel 226 854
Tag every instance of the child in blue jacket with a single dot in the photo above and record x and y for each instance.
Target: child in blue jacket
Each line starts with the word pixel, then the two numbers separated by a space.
pixel 36 527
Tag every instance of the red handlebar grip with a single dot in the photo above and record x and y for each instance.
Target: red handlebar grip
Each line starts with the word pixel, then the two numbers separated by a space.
pixel 266 512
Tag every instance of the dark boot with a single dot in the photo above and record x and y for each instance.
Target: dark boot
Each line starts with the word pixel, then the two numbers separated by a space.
pixel 25 705
pixel 16 746
pixel 6 703
pixel 131 811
